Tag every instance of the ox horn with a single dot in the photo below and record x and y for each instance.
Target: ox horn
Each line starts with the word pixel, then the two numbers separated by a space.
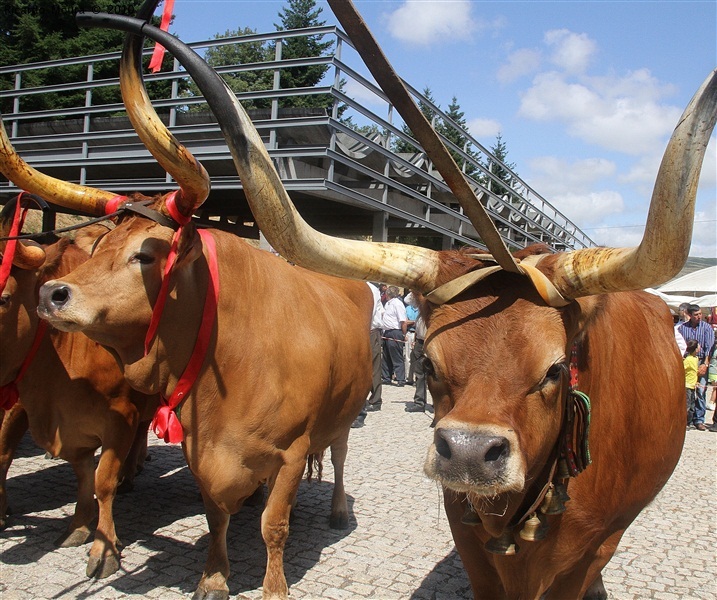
pixel 668 232
pixel 27 255
pixel 70 195
pixel 289 234
pixel 174 157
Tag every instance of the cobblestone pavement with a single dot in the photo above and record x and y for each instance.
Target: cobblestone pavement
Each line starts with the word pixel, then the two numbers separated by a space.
pixel 398 544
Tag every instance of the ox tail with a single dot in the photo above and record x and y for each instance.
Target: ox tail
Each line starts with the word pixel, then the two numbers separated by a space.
pixel 315 462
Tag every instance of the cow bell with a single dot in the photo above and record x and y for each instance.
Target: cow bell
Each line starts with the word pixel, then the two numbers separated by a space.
pixel 563 471
pixel 534 530
pixel 552 504
pixel 562 492
pixel 504 545
pixel 470 517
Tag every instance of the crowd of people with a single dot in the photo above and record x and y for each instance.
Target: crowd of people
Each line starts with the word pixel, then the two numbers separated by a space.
pixel 695 337
pixel 397 337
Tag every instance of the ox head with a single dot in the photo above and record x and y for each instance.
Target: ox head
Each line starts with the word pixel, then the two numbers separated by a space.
pixel 111 298
pixel 498 346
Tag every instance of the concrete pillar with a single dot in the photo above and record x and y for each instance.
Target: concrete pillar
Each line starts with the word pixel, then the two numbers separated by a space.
pixel 380 227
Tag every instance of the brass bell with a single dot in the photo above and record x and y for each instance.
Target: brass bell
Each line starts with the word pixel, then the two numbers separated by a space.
pixel 470 517
pixel 552 504
pixel 534 530
pixel 504 545
pixel 562 472
pixel 562 492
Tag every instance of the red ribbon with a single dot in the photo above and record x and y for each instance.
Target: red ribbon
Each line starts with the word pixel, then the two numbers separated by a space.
pixel 155 64
pixel 9 394
pixel 166 424
pixel 8 255
pixel 113 203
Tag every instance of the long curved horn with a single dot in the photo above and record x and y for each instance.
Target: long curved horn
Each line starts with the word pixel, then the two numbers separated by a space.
pixel 70 195
pixel 26 255
pixel 191 176
pixel 276 215
pixel 668 232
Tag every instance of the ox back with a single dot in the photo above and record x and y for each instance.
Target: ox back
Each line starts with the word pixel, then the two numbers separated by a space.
pixel 74 399
pixel 628 364
pixel 287 370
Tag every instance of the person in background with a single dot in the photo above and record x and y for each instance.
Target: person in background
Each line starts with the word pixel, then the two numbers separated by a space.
pixel 411 315
pixel 691 362
pixel 419 396
pixel 696 329
pixel 395 325
pixel 712 380
pixel 373 402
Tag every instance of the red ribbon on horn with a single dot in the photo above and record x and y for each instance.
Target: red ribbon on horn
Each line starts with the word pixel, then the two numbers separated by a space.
pixel 8 256
pixel 155 64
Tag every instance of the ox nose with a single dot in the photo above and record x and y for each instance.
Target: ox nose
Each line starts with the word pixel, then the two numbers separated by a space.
pixel 54 296
pixel 478 457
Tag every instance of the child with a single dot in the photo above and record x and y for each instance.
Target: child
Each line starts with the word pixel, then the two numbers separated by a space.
pixel 691 363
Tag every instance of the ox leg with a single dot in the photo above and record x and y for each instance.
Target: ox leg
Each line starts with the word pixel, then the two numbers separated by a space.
pixel 119 435
pixel 134 463
pixel 213 585
pixel 339 518
pixel 14 426
pixel 585 579
pixel 78 531
pixel 275 526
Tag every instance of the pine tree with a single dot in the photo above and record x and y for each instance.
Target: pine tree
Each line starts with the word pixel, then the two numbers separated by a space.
pixel 500 151
pixel 41 30
pixel 455 130
pixel 401 145
pixel 299 14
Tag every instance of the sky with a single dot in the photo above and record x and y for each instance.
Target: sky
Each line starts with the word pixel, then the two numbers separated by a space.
pixel 584 94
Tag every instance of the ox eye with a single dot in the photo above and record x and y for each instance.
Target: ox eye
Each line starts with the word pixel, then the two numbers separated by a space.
pixel 142 258
pixel 554 373
pixel 4 299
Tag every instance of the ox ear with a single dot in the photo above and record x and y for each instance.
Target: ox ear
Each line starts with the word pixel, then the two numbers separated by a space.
pixel 189 247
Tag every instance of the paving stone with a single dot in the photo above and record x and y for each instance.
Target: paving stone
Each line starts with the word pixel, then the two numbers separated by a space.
pixel 398 544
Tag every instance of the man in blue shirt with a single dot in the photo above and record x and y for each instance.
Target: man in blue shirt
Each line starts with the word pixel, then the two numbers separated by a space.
pixel 697 329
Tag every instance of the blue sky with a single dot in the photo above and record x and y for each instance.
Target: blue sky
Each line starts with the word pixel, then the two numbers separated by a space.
pixel 585 94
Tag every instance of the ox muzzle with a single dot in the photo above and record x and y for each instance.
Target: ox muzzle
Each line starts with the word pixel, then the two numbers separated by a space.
pixel 55 299
pixel 483 461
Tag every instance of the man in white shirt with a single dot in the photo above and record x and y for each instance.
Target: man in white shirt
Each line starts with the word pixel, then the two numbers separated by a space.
pixel 395 324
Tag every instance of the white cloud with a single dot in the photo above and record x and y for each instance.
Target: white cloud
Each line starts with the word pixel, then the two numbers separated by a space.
pixel 362 94
pixel 621 114
pixel 704 234
pixel 423 22
pixel 571 52
pixel 520 63
pixel 589 208
pixel 483 128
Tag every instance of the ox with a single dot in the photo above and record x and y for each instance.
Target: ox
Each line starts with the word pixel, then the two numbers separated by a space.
pixel 262 402
pixel 73 398
pixel 530 516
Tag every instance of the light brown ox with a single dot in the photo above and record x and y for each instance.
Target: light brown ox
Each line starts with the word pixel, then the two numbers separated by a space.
pixel 74 400
pixel 288 365
pixel 499 355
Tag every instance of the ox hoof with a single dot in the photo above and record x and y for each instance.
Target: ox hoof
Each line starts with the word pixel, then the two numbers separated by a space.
pixel 210 595
pixel 72 539
pixel 99 568
pixel 125 487
pixel 340 521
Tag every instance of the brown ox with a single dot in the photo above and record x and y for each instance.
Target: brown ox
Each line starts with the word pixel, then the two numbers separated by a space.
pixel 288 364
pixel 74 400
pixel 499 355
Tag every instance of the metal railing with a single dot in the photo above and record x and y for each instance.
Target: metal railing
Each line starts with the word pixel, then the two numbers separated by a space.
pixel 343 152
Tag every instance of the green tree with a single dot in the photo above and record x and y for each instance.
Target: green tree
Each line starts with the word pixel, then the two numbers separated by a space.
pixel 244 53
pixel 500 151
pixel 454 129
pixel 299 14
pixel 401 145
pixel 41 30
